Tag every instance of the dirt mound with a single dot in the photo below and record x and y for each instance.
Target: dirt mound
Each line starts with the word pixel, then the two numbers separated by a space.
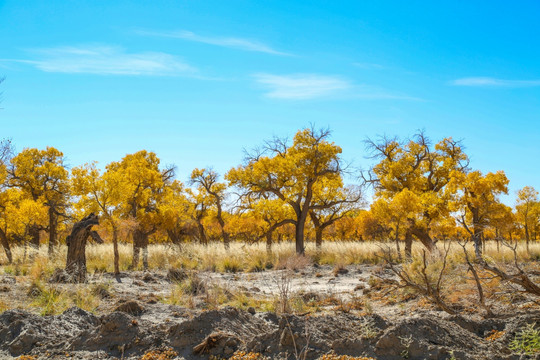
pixel 130 307
pixel 22 332
pixel 222 332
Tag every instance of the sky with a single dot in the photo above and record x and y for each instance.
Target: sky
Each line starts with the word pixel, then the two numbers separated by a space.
pixel 198 82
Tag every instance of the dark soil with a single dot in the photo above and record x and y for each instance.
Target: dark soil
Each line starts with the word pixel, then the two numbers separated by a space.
pixel 193 334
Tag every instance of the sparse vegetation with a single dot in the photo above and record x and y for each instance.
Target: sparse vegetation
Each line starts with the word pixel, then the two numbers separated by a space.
pixel 526 341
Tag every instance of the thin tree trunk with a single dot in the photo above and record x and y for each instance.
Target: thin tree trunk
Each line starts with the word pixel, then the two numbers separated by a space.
pixel 116 253
pixel 527 237
pixel 318 238
pixel 269 243
pixel 202 234
pixel 408 245
pixel 33 231
pixel 53 221
pixel 5 245
pixel 299 237
pixel 398 250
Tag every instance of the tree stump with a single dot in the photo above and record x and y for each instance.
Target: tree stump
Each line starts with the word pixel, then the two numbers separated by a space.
pixel 76 242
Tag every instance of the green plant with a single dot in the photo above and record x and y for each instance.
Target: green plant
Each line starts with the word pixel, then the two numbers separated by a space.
pixel 406 342
pixel 526 341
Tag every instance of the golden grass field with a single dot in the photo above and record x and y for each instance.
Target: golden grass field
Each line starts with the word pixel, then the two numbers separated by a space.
pixel 241 257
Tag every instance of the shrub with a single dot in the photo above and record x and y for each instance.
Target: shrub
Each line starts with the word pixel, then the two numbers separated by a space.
pixel 527 341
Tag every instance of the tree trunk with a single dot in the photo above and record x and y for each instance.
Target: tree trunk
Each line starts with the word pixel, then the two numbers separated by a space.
pixel 477 240
pixel 53 222
pixel 115 249
pixel 408 245
pixel 299 237
pixel 527 237
pixel 202 234
pixel 76 242
pixel 33 231
pixel 318 238
pixel 5 245
pixel 424 238
pixel 269 243
pixel 140 241
pixel 398 250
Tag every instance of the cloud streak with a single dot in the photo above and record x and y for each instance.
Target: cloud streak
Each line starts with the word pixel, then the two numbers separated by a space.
pixel 107 60
pixel 493 82
pixel 229 42
pixel 300 86
pixel 317 86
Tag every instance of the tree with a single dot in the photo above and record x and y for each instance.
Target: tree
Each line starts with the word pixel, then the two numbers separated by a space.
pixel 214 194
pixel 332 202
pixel 397 213
pixel 42 175
pixel 527 201
pixel 175 211
pixel 6 151
pixel 100 193
pixel 142 184
pixel 76 242
pixel 475 199
pixel 422 169
pixel 270 215
pixel 290 173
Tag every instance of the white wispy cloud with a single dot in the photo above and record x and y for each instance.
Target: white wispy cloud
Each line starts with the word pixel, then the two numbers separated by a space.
pixel 230 42
pixel 316 86
pixel 301 86
pixel 493 82
pixel 106 60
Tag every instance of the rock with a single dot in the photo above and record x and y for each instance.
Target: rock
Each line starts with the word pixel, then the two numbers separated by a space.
pixel 251 310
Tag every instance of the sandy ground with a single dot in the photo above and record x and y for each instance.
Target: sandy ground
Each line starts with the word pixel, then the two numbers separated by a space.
pixel 136 316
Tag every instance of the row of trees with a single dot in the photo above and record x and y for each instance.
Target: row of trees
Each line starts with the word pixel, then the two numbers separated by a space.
pixel 282 190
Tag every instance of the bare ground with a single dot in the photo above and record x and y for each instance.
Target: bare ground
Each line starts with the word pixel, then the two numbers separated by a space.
pixel 345 312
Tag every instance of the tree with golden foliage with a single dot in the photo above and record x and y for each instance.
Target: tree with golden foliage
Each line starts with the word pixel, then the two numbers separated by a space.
pixel 214 193
pixel 176 212
pixel 290 173
pixel 142 185
pixel 527 211
pixel 42 176
pixel 421 169
pixel 476 200
pixel 102 194
pixel 332 201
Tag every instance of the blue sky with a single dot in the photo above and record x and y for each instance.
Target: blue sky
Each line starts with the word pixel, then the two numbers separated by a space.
pixel 198 81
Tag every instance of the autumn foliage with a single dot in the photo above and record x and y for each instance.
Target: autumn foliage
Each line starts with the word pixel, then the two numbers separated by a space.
pixel 283 191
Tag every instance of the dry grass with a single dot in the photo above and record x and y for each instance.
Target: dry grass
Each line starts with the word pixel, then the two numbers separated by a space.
pixel 240 257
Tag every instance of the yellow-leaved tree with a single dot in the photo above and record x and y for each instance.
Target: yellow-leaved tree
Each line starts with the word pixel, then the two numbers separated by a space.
pixel 102 194
pixel 421 169
pixel 141 184
pixel 332 201
pixel 42 176
pixel 290 173
pixel 476 201
pixel 213 194
pixel 175 211
pixel 527 211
